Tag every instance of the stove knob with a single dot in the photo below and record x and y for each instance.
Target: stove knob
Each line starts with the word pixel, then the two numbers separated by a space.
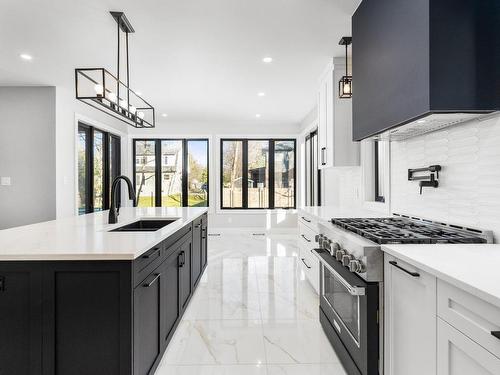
pixel 335 247
pixel 346 259
pixel 339 254
pixel 318 237
pixel 354 265
pixel 327 245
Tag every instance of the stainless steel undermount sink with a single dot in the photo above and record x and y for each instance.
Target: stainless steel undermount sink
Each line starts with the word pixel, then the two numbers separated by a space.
pixel 144 225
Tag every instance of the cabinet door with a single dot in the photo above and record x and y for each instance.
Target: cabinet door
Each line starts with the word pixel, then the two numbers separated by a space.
pixel 322 125
pixel 20 319
pixel 147 341
pixel 459 355
pixel 204 241
pixel 185 273
pixel 196 248
pixel 410 319
pixel 170 283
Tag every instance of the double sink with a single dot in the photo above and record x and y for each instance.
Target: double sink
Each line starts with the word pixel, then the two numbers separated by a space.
pixel 145 225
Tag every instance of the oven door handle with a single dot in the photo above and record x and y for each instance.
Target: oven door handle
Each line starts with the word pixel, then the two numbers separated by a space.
pixel 353 290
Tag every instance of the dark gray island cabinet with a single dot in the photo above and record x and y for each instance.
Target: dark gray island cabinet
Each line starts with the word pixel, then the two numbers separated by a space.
pixel 98 317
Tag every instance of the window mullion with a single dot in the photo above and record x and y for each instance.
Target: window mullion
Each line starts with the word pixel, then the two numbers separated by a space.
pixel 185 162
pixel 158 171
pixel 245 174
pixel 271 174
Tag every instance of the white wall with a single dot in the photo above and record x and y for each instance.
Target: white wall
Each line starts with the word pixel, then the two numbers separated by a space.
pixel 68 109
pixel 27 155
pixel 469 191
pixel 223 219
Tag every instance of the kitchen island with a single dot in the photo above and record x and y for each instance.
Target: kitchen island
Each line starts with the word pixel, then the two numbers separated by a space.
pixel 79 297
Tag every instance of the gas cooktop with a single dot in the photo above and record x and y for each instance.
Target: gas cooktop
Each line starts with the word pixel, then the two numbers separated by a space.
pixel 405 230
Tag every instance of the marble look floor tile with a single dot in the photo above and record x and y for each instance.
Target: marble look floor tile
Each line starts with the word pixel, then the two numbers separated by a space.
pixel 297 341
pixel 216 342
pixel 280 306
pixel 165 369
pixel 230 303
pixel 307 369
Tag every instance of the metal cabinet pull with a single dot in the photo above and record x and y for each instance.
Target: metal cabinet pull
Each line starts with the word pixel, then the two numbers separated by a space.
pixel 197 226
pixel 305 238
pixel 323 152
pixel 157 276
pixel 147 256
pixel 2 283
pixel 182 259
pixel 496 334
pixel 305 264
pixel 395 264
pixel 305 219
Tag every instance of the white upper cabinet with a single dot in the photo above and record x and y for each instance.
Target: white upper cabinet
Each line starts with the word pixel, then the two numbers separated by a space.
pixel 336 147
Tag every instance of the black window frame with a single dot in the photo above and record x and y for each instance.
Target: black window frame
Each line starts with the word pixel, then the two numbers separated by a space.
pixel 376 172
pixel 158 164
pixel 89 166
pixel 244 170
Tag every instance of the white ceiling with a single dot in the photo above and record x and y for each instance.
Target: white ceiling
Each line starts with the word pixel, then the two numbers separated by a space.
pixel 197 60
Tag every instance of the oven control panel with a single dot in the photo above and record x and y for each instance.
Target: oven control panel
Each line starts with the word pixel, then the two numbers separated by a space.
pixel 341 254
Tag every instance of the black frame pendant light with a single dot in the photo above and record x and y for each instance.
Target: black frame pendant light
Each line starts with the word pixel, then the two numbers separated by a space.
pixel 345 83
pixel 102 90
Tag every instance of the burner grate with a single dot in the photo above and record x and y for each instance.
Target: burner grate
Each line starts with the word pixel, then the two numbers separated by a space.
pixel 400 230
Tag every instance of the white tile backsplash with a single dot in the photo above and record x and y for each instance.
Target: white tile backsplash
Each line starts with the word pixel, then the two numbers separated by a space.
pixel 469 184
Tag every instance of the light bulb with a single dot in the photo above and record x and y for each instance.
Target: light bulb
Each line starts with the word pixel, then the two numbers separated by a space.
pixel 99 90
pixel 347 88
pixel 133 109
pixel 112 97
pixel 140 115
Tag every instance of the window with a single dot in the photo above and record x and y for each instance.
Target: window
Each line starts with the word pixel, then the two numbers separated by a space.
pixel 98 164
pixel 258 173
pixel 379 172
pixel 312 172
pixel 179 179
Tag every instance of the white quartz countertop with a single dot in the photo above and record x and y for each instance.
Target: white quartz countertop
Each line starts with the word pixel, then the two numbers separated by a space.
pixel 87 237
pixel 471 267
pixel 325 213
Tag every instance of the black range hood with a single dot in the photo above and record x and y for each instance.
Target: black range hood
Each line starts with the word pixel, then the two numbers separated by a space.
pixel 421 65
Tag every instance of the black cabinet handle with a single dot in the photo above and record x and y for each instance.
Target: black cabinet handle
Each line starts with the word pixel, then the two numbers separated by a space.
pixel 305 238
pixel 147 285
pixel 496 334
pixel 306 219
pixel 323 152
pixel 197 226
pixel 182 259
pixel 2 283
pixel 305 264
pixel 395 264
pixel 147 256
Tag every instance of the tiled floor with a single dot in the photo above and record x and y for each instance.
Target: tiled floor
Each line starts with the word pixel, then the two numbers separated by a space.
pixel 252 314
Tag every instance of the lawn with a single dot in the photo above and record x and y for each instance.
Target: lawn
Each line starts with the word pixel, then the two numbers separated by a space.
pixel 174 200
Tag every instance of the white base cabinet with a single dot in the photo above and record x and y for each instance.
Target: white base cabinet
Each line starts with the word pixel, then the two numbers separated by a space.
pixel 433 327
pixel 459 355
pixel 310 265
pixel 410 320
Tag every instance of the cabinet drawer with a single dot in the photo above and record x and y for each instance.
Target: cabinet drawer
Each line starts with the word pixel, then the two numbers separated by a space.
pixel 147 262
pixel 473 316
pixel 306 237
pixel 308 221
pixel 310 265
pixel 458 355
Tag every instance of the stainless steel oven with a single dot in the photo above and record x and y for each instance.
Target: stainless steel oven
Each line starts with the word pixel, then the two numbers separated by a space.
pixel 349 308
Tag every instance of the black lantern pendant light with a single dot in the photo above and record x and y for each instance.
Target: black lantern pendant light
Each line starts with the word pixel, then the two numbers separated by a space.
pixel 345 83
pixel 102 90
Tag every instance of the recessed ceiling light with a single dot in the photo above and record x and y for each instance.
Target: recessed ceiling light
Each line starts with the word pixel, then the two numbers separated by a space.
pixel 267 60
pixel 26 57
pixel 258 115
pixel 261 94
pixel 164 115
pixel 421 121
